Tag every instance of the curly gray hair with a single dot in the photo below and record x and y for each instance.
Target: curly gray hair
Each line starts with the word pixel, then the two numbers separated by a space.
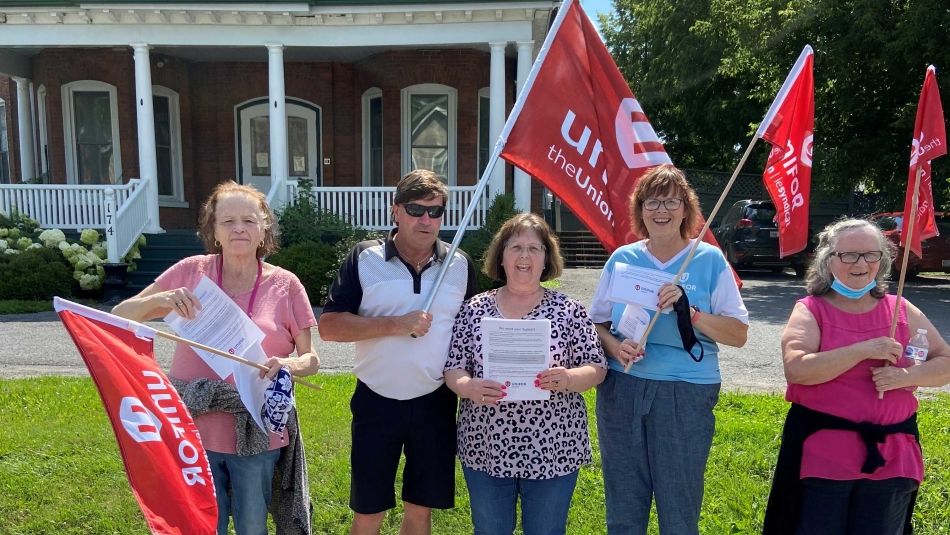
pixel 819 278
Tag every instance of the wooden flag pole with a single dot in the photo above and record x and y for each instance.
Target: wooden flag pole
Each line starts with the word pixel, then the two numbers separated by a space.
pixel 905 257
pixel 227 355
pixel 692 249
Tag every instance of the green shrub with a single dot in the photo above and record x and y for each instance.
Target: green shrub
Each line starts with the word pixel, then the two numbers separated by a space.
pixel 476 242
pixel 305 221
pixel 36 274
pixel 314 263
pixel 17 220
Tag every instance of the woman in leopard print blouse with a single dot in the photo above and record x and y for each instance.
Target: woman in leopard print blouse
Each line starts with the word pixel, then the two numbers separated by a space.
pixel 532 449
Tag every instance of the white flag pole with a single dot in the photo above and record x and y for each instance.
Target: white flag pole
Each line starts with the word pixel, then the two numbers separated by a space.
pixel 496 154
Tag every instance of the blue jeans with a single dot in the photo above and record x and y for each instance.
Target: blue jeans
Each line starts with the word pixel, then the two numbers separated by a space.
pixel 544 503
pixel 243 488
pixel 654 439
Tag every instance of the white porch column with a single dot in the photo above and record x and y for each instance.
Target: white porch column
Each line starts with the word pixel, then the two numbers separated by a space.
pixel 496 113
pixel 24 129
pixel 278 123
pixel 522 179
pixel 145 121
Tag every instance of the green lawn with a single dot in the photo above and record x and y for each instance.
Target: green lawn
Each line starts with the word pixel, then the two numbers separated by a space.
pixel 60 470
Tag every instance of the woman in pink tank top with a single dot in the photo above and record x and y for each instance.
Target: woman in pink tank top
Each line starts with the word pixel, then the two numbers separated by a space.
pixel 238 228
pixel 850 460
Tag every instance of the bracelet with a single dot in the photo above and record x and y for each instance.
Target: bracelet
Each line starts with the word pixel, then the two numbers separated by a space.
pixel 695 315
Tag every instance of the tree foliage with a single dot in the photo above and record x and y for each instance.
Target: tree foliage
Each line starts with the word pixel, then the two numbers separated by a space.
pixel 707 70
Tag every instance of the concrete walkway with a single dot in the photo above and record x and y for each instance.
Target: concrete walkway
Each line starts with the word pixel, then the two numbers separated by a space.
pixel 37 344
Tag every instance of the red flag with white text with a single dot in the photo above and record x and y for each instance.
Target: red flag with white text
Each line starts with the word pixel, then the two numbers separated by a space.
pixel 930 143
pixel 580 131
pixel 164 459
pixel 789 126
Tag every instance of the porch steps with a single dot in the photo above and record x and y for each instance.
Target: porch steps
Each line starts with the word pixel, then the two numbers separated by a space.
pixel 581 249
pixel 159 253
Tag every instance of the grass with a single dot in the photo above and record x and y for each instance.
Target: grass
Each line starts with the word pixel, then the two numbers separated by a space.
pixel 20 306
pixel 60 470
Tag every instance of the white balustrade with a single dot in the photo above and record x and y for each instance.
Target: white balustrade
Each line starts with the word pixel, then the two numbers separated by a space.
pixel 75 207
pixel 369 207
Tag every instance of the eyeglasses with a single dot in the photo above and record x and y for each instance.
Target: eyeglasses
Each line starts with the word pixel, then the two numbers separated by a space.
pixel 532 249
pixel 850 257
pixel 669 204
pixel 416 210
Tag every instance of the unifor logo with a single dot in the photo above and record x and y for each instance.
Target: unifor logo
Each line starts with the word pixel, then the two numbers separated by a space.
pixel 139 422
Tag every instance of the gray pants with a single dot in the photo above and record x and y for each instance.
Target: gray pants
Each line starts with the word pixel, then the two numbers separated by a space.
pixel 654 442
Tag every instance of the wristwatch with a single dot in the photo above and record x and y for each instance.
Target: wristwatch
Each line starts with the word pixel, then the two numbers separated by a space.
pixel 694 315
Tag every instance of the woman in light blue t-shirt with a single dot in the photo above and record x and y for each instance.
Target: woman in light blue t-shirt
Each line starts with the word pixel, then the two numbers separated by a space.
pixel 655 408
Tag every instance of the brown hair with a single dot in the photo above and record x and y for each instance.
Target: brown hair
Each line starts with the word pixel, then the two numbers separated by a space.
pixel 206 220
pixel 665 179
pixel 420 184
pixel 553 262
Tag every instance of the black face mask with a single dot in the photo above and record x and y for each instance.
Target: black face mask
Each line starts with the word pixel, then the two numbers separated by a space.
pixel 685 326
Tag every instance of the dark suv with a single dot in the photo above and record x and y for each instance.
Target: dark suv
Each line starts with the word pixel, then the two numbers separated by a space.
pixel 748 236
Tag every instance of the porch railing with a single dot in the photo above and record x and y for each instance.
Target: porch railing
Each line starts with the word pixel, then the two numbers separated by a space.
pixel 369 207
pixel 74 207
pixel 130 220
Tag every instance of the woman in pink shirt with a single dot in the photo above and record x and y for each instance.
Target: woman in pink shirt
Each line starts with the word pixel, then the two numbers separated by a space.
pixel 238 229
pixel 850 461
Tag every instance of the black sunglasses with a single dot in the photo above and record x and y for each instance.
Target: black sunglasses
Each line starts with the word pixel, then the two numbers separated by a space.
pixel 416 210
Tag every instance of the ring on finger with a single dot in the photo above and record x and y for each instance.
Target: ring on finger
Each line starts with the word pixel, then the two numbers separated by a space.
pixel 483 399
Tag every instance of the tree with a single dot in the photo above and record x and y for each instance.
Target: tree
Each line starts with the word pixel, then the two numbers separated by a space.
pixel 707 70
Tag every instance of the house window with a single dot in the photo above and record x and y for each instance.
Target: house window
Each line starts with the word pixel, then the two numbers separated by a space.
pixel 44 133
pixel 253 142
pixel 484 135
pixel 168 147
pixel 4 145
pixel 91 128
pixel 429 129
pixel 373 137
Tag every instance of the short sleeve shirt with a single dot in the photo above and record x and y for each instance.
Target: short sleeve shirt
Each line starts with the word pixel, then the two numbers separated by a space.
pixel 373 282
pixel 709 285
pixel 535 439
pixel 281 310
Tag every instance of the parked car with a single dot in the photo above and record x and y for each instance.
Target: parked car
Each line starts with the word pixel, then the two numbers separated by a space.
pixel 748 235
pixel 936 250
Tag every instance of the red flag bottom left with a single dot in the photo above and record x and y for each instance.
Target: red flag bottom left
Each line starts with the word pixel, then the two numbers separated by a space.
pixel 162 452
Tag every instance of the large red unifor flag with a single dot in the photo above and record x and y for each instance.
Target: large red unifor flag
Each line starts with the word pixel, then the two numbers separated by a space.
pixel 930 142
pixel 579 130
pixel 789 126
pixel 165 462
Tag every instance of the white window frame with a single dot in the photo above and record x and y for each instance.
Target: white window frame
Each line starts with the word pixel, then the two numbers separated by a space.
pixel 484 92
pixel 369 95
pixel 3 110
pixel 429 89
pixel 69 128
pixel 41 95
pixel 177 198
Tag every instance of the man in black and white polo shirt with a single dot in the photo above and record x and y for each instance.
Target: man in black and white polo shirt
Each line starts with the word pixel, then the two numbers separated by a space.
pixel 401 401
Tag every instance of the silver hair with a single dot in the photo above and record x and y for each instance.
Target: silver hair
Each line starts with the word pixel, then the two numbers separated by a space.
pixel 818 279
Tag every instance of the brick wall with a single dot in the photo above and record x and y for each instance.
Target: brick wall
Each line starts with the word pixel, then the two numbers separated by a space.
pixel 210 91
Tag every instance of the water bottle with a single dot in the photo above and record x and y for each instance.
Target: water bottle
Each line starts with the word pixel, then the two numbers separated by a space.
pixel 917 347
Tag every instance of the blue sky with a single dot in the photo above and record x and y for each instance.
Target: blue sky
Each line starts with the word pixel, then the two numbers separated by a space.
pixel 596 6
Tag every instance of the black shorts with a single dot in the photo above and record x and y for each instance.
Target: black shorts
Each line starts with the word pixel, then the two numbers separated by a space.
pixel 382 429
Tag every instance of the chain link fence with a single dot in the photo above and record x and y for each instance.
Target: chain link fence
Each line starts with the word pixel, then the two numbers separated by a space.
pixel 823 208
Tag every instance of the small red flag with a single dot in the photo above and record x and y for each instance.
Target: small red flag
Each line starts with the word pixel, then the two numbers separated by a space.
pixel 789 126
pixel 164 460
pixel 580 131
pixel 930 143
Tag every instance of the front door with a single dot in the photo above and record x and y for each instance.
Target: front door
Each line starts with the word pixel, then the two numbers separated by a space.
pixel 303 142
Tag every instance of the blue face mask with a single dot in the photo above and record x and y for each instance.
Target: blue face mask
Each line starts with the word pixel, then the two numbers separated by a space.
pixel 851 293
